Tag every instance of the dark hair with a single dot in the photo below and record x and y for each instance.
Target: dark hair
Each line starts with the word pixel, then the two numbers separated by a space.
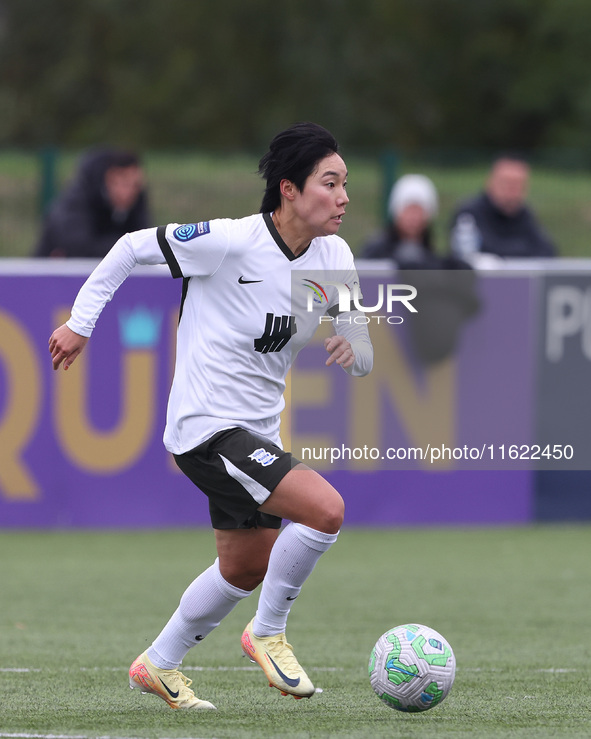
pixel 122 158
pixel 511 156
pixel 95 163
pixel 293 155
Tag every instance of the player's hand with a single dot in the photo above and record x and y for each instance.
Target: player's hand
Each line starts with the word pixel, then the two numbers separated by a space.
pixel 340 351
pixel 65 345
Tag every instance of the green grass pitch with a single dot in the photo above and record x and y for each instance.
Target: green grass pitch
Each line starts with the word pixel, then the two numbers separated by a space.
pixel 77 608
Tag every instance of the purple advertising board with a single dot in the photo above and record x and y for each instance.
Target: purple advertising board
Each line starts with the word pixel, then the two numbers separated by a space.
pixel 83 448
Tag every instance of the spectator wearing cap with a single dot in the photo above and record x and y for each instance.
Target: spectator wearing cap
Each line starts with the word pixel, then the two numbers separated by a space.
pixel 498 221
pixel 407 238
pixel 106 200
pixel 447 294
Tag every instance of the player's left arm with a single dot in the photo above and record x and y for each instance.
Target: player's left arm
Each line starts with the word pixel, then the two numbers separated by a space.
pixel 351 347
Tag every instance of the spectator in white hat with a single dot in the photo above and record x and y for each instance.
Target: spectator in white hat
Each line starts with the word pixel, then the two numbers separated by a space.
pixel 446 286
pixel 407 239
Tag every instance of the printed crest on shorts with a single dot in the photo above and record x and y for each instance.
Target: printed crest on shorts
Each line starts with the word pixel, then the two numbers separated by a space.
pixel 263 457
pixel 191 231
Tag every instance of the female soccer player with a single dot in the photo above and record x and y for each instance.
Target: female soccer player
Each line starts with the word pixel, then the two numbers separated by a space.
pixel 253 292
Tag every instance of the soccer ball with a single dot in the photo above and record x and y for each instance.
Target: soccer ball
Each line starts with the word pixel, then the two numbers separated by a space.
pixel 412 668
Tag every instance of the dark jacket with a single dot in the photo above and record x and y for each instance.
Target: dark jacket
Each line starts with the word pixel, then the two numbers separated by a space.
pixel 82 222
pixel 447 292
pixel 387 244
pixel 479 226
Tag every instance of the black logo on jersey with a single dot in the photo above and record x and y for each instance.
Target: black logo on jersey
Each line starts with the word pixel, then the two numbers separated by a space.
pixel 278 331
pixel 242 281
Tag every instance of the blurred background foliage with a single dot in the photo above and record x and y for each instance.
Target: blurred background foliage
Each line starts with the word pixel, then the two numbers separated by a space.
pixel 228 73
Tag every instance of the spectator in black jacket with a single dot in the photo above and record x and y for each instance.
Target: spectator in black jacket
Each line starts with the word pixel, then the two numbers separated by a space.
pixel 498 221
pixel 105 201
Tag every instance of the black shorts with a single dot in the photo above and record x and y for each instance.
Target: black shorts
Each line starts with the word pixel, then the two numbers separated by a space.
pixel 237 470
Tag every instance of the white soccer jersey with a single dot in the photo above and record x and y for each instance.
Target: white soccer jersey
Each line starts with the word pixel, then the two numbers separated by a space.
pixel 242 323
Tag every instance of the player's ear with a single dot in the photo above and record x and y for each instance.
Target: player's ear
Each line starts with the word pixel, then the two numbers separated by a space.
pixel 287 189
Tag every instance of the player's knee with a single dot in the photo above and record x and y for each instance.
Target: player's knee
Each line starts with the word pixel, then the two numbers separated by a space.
pixel 330 518
pixel 244 575
pixel 248 581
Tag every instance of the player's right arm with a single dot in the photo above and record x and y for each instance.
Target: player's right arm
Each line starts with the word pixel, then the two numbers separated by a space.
pixel 164 245
pixel 68 341
pixel 65 345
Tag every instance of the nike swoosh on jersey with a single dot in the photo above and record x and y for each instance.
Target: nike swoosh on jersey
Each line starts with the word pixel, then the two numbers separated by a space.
pixel 168 690
pixel 242 281
pixel 292 682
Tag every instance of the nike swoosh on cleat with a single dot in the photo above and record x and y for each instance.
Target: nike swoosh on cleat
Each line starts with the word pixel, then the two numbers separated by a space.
pixel 289 598
pixel 168 690
pixel 242 281
pixel 291 681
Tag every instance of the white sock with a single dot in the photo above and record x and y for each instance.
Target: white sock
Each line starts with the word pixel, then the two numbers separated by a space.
pixel 206 601
pixel 293 557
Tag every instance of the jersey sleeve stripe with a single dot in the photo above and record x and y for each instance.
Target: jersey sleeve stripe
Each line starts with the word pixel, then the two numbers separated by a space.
pixel 171 260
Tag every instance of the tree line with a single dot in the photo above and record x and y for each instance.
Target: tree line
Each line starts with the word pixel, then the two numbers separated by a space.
pixel 227 74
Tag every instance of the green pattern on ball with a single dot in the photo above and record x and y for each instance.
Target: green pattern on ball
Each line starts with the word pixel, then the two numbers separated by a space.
pixel 438 660
pixel 398 672
pixel 392 702
pixel 433 689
